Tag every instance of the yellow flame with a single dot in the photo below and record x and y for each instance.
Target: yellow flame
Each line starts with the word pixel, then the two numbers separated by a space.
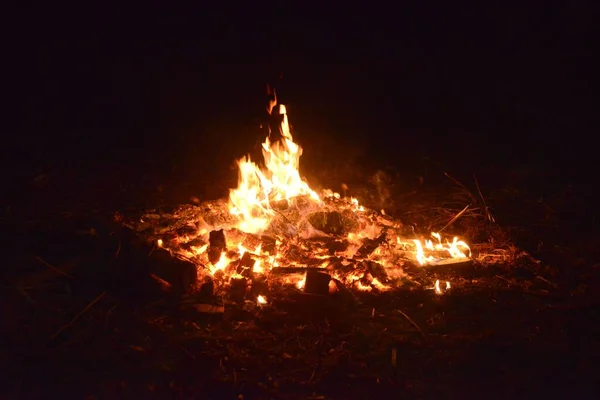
pixel 279 180
pixel 438 288
pixel 455 249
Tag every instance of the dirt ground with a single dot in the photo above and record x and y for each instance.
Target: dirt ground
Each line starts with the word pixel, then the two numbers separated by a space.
pixel 526 327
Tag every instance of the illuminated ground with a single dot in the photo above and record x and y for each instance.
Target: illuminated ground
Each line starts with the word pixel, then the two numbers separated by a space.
pixel 517 329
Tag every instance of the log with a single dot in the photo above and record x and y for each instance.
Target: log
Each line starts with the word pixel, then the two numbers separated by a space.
pixel 181 274
pixel 294 270
pixel 217 245
pixel 316 282
pixel 238 289
pixel 137 259
pixel 369 245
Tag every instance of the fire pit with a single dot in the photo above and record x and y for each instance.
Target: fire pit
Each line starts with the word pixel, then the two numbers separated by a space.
pixel 274 230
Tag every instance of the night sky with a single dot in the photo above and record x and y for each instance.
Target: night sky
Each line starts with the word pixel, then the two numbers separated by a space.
pixel 104 84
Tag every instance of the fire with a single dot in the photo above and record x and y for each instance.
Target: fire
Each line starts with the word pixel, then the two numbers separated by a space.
pixel 438 289
pixel 280 180
pixel 456 249
pixel 277 193
pixel 260 300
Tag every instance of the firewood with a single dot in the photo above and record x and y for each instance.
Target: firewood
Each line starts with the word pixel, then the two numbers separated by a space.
pixel 294 270
pixel 138 258
pixel 369 245
pixel 316 282
pixel 217 245
pixel 181 274
pixel 239 287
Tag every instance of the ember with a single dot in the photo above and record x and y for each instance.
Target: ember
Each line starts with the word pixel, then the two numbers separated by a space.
pixel 275 227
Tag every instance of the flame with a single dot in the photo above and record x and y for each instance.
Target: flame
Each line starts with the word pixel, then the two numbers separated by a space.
pixel 279 180
pixel 456 249
pixel 255 203
pixel 438 289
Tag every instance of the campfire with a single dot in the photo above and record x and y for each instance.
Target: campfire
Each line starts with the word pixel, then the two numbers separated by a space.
pixel 274 229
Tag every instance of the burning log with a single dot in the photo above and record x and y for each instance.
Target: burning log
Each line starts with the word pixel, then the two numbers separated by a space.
pixel 217 245
pixel 376 270
pixel 370 245
pixel 316 282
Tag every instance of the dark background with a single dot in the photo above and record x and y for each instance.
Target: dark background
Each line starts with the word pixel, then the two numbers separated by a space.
pixel 100 87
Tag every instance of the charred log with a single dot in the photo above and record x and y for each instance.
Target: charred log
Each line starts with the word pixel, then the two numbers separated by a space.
pixel 239 287
pixel 316 282
pixel 370 245
pixel 138 258
pixel 217 245
pixel 376 270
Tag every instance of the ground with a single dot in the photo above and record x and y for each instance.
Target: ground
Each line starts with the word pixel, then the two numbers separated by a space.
pixel 74 327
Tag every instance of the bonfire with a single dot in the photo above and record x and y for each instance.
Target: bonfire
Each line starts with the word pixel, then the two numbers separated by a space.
pixel 275 228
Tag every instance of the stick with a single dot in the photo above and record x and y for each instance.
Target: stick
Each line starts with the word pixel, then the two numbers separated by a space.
pixel 457 182
pixel 487 211
pixel 78 315
pixel 52 267
pixel 413 323
pixel 457 216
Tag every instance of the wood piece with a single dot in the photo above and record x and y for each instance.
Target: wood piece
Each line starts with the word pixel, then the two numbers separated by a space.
pixel 181 274
pixel 294 270
pixel 138 259
pixel 217 245
pixel 316 282
pixel 238 289
pixel 209 308
pixel 369 245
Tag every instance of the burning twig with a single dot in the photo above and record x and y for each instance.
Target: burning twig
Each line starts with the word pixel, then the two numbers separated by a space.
pixel 53 268
pixel 90 305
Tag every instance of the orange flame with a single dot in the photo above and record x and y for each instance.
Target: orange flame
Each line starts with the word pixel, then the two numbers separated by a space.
pixel 279 180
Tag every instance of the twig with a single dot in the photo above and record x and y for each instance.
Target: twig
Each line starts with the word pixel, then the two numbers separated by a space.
pixel 78 315
pixel 413 323
pixel 541 278
pixel 108 313
pixel 314 371
pixel 457 216
pixel 457 182
pixel 487 210
pixel 26 295
pixel 52 267
pixel 118 250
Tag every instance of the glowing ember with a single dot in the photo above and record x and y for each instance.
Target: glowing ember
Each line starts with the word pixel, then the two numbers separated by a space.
pixel 438 289
pixel 260 300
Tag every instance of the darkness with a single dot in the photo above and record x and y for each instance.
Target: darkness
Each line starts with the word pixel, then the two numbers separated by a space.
pixel 96 86
pixel 106 105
